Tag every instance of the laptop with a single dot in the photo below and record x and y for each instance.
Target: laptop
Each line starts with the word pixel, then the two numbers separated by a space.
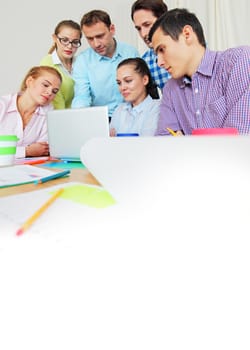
pixel 69 129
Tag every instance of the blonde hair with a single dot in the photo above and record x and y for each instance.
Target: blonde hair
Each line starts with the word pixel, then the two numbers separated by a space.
pixel 65 23
pixel 36 72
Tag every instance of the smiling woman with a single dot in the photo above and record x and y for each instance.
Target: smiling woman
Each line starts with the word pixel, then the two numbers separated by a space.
pixel 24 113
pixel 140 112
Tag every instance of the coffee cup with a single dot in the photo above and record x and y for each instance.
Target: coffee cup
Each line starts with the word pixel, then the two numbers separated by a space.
pixel 7 149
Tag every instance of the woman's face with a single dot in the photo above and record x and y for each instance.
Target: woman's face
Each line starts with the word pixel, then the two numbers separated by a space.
pixel 66 42
pixel 131 84
pixel 43 89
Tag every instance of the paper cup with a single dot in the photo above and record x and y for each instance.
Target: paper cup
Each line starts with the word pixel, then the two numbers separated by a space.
pixel 7 149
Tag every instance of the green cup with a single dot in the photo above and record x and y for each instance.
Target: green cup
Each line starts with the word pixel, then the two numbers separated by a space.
pixel 7 149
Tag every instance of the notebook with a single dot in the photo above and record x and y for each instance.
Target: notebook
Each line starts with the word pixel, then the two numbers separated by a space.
pixel 69 129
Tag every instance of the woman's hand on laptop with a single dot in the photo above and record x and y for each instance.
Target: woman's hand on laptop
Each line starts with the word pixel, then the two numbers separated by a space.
pixel 37 149
pixel 112 132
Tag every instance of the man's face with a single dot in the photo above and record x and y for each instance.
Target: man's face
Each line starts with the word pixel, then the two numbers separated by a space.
pixel 172 55
pixel 100 38
pixel 143 20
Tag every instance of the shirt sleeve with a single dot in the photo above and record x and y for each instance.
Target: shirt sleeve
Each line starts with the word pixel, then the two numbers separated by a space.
pixel 115 118
pixel 168 117
pixel 237 91
pixel 20 152
pixel 82 93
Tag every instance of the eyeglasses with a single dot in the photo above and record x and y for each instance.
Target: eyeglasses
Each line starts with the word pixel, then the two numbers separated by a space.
pixel 65 42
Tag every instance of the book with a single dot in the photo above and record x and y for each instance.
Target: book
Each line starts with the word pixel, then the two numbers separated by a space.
pixel 23 174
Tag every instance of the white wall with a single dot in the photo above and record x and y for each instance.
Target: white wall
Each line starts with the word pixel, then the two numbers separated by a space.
pixel 26 28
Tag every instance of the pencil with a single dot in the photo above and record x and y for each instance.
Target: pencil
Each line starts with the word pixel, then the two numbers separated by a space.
pixel 36 215
pixel 52 177
pixel 172 132
pixel 33 162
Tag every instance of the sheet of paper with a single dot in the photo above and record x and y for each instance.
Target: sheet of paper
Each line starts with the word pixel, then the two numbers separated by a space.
pixel 21 174
pixel 78 207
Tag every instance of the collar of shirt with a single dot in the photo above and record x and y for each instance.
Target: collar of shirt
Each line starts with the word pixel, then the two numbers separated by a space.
pixel 55 58
pixel 207 63
pixel 140 108
pixel 12 105
pixel 116 54
pixel 205 68
pixel 152 54
pixel 40 110
pixel 56 61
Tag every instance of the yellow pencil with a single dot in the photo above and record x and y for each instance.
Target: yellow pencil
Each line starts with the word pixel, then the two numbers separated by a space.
pixel 33 217
pixel 172 132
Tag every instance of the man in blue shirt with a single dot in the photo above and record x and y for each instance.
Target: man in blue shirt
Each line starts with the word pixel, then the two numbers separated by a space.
pixel 144 13
pixel 94 70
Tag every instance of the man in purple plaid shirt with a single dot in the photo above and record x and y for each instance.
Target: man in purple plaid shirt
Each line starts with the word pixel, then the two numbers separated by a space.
pixel 144 13
pixel 208 89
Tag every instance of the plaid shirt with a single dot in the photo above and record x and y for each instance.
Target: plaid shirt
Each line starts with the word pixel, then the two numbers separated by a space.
pixel 159 75
pixel 218 96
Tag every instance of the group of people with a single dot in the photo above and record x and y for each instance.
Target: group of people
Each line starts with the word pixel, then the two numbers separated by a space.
pixel 178 84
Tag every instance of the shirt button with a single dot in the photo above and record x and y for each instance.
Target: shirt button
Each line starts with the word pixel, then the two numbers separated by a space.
pixel 196 90
pixel 198 112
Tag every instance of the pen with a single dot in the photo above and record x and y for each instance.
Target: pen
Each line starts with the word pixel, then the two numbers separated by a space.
pixel 172 132
pixel 33 217
pixel 52 177
pixel 32 162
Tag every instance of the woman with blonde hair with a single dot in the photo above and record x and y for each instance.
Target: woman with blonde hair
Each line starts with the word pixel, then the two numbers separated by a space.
pixel 66 40
pixel 24 114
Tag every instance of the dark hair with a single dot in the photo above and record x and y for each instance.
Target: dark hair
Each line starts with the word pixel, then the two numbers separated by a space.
pixel 65 23
pixel 158 7
pixel 173 21
pixel 95 16
pixel 141 67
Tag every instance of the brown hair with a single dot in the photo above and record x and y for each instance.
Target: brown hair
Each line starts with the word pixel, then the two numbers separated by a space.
pixel 141 67
pixel 157 7
pixel 172 23
pixel 36 72
pixel 65 23
pixel 95 16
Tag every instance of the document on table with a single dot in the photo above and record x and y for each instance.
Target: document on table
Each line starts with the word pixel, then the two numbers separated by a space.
pixel 77 209
pixel 22 174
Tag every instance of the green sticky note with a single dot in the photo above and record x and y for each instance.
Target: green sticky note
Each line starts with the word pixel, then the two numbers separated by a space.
pixel 95 197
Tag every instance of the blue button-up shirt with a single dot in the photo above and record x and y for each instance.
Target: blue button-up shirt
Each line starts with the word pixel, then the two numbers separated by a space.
pixel 95 77
pixel 159 75
pixel 141 119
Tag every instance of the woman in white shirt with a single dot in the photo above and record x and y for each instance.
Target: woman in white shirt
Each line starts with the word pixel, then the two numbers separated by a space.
pixel 24 114
pixel 140 113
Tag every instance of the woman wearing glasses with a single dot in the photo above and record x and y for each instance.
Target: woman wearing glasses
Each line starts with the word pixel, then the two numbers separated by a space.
pixel 67 39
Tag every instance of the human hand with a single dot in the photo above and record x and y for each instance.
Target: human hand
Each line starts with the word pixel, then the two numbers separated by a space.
pixel 37 149
pixel 112 132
